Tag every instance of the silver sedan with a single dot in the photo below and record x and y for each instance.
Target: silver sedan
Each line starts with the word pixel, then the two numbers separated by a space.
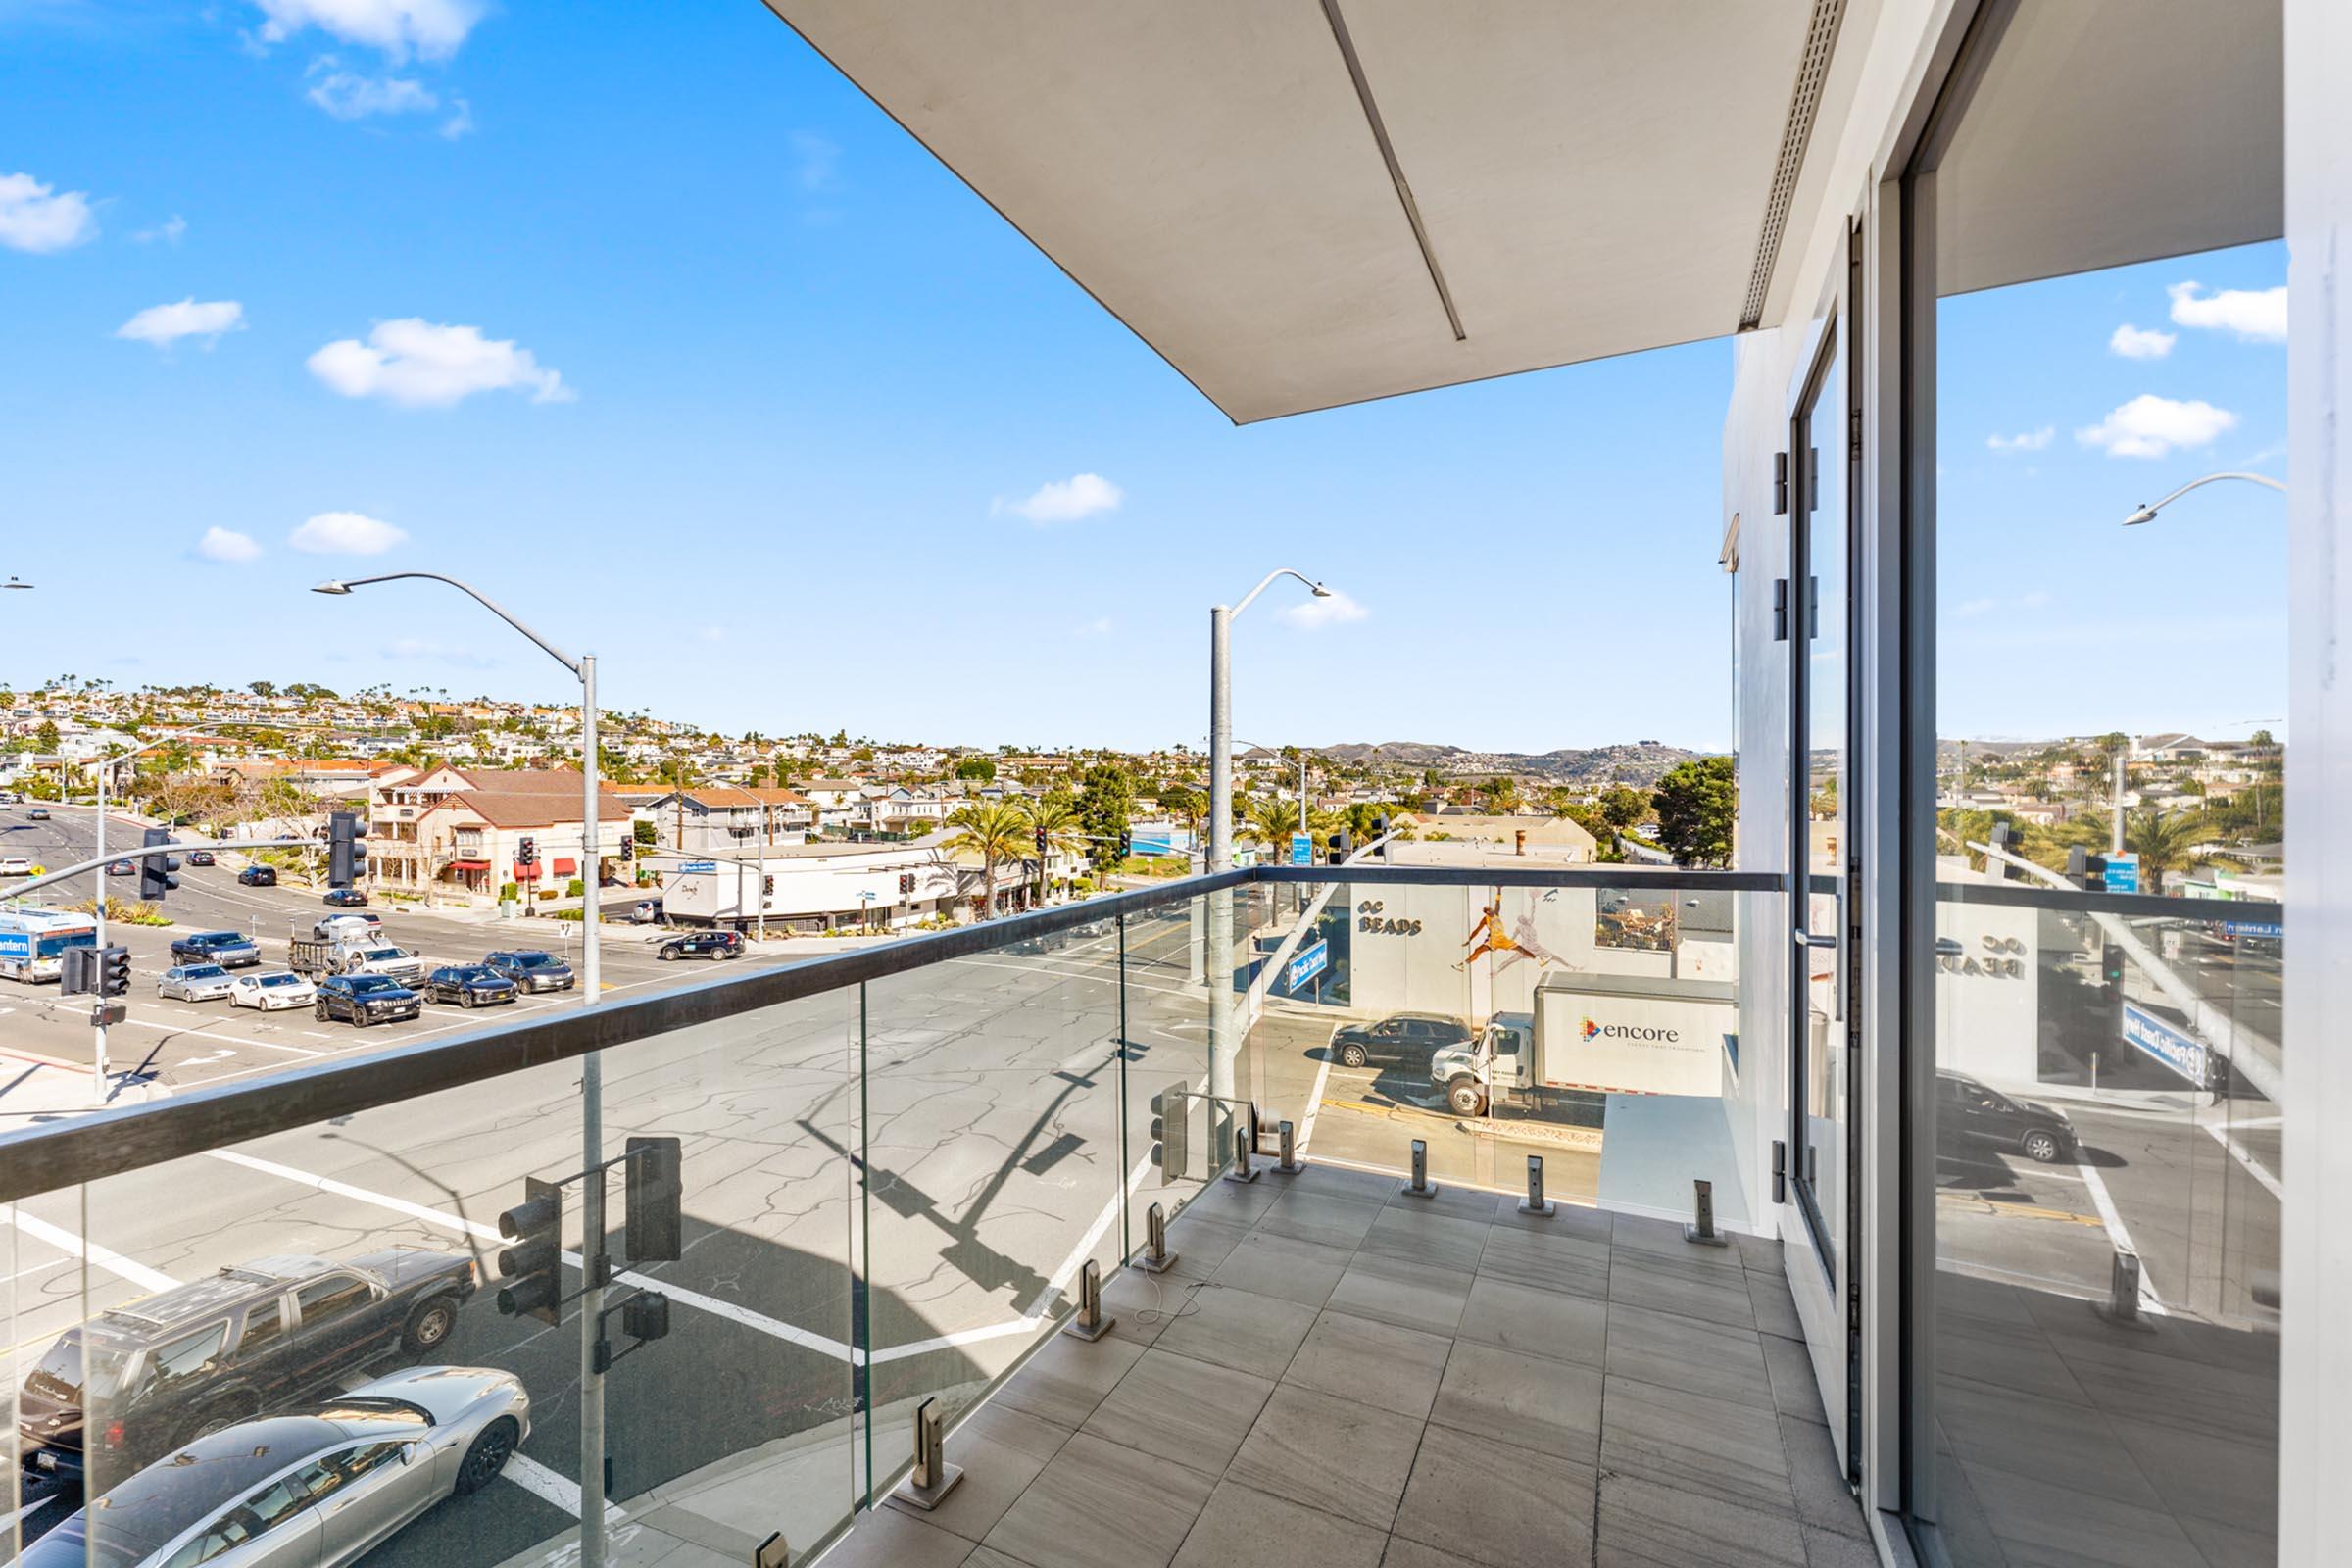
pixel 195 982
pixel 314 1489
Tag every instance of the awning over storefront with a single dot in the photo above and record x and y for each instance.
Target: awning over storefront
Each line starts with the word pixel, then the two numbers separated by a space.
pixel 567 867
pixel 527 870
pixel 469 866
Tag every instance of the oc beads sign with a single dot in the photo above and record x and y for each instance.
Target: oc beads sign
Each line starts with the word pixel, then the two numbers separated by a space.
pixel 1998 962
pixel 1369 919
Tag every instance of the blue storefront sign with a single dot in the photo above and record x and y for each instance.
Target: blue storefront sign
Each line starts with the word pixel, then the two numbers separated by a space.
pixel 1302 849
pixel 1307 963
pixel 2268 929
pixel 691 866
pixel 2123 873
pixel 2151 1036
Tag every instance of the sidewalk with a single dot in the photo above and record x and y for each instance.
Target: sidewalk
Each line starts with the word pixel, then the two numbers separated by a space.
pixel 37 1087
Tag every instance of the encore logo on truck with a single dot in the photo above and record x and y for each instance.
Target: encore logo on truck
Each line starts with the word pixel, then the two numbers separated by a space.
pixel 1595 1030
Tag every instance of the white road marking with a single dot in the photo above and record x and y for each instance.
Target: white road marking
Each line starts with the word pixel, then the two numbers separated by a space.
pixel 561 1490
pixel 459 1224
pixel 2223 1136
pixel 2149 1301
pixel 1314 1102
pixel 114 1263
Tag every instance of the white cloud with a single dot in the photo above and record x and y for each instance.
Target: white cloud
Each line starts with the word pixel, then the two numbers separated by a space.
pixel 814 159
pixel 2024 440
pixel 1976 607
pixel 1329 610
pixel 227 546
pixel 1068 500
pixel 2141 342
pixel 1100 627
pixel 458 124
pixel 712 634
pixel 2150 427
pixel 40 218
pixel 345 533
pixel 2256 315
pixel 432 28
pixel 419 365
pixel 166 325
pixel 168 232
pixel 442 653
pixel 348 95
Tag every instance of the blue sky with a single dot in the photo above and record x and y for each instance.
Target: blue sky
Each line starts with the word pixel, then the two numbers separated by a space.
pixel 644 319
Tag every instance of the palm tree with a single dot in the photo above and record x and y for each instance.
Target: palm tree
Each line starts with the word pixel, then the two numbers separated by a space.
pixel 2165 841
pixel 1272 820
pixel 995 830
pixel 1064 832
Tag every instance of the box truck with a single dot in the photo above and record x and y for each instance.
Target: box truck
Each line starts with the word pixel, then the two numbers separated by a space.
pixel 1595 1034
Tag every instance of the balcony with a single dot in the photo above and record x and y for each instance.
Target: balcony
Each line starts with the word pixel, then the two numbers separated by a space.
pixel 897 1166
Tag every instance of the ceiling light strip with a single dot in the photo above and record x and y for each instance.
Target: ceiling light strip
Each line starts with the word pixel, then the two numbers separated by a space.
pixel 1813 69
pixel 1388 153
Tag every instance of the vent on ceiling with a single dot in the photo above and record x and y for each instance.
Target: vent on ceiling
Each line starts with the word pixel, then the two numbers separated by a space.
pixel 1812 69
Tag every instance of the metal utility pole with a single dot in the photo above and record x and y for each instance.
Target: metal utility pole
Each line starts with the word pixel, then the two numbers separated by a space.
pixel 592 1072
pixel 1218 964
pixel 2117 804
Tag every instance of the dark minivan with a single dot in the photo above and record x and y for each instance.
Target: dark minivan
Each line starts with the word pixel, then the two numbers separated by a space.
pixel 1407 1038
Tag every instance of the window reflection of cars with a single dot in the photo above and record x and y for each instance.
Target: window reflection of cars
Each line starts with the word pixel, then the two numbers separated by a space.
pixel 307 1489
pixel 1970 1112
pixel 216 1350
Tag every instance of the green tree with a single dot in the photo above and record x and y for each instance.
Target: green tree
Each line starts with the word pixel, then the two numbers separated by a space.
pixel 980 770
pixel 1502 794
pixel 1623 806
pixel 1697 803
pixel 996 831
pixel 1272 820
pixel 1106 803
pixel 1065 834
pixel 1183 804
pixel 2164 841
pixel 45 737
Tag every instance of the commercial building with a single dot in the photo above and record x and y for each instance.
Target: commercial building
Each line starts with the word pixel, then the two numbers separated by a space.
pixel 460 832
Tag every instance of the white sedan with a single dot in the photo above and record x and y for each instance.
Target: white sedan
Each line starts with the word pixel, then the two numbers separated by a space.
pixel 271 988
pixel 14 865
pixel 195 982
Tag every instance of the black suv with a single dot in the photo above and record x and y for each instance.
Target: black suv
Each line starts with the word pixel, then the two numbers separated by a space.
pixel 365 999
pixel 1976 1113
pixel 1407 1038
pixel 230 950
pixel 533 971
pixel 258 876
pixel 703 944
pixel 215 1351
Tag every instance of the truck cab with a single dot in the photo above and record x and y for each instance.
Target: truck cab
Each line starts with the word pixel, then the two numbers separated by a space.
pixel 1501 1057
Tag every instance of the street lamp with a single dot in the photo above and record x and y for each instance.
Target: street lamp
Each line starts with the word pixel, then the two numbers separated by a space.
pixel 592 1082
pixel 2147 513
pixel 1220 965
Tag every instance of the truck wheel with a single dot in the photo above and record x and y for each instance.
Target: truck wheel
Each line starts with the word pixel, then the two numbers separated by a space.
pixel 431 1324
pixel 1463 1098
pixel 1351 1055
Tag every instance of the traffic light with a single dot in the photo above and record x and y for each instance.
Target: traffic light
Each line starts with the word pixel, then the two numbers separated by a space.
pixel 532 1265
pixel 2086 870
pixel 1041 840
pixel 767 887
pixel 77 972
pixel 657 1187
pixel 1343 845
pixel 1171 1131
pixel 1380 830
pixel 113 972
pixel 155 870
pixel 1126 844
pixel 906 883
pixel 2006 838
pixel 646 1316
pixel 527 850
pixel 342 849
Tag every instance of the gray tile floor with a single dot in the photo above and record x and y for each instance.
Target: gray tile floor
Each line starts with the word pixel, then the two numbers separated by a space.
pixel 2062 1437
pixel 1334 1376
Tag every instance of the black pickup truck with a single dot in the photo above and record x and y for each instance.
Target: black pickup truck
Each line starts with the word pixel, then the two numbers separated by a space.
pixel 136 1381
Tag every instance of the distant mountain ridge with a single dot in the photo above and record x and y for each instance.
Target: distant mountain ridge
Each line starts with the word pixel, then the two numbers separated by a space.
pixel 1635 762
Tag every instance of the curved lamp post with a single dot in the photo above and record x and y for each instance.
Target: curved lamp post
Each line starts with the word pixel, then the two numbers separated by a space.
pixel 592 1130
pixel 1218 964
pixel 2147 512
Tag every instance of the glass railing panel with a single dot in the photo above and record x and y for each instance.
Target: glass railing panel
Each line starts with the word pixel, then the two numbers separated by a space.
pixel 306 1331
pixel 1165 1075
pixel 996 1161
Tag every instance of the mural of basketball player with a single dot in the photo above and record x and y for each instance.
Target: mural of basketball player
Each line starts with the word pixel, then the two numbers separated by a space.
pixel 1507 947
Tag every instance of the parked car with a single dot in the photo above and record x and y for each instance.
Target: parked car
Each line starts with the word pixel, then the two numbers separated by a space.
pixel 227 1347
pixel 258 876
pixel 647 913
pixel 273 989
pixel 345 898
pixel 194 982
pixel 347 928
pixel 1408 1038
pixel 14 865
pixel 1966 1110
pixel 311 1488
pixel 39 813
pixel 231 950
pixel 468 985
pixel 119 868
pixel 199 857
pixel 703 944
pixel 532 970
pixel 365 999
